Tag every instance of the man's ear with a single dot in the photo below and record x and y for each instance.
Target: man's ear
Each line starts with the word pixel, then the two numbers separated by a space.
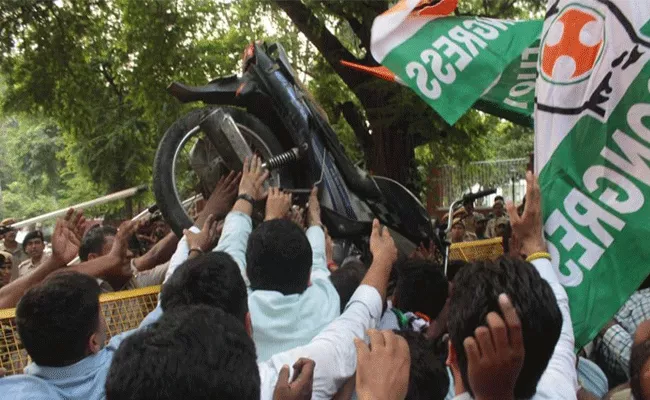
pixel 248 324
pixel 94 343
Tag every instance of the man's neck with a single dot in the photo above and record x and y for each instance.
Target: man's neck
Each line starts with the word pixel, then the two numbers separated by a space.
pixel 37 260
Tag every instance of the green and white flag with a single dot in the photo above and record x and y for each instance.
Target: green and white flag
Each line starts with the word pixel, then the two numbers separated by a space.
pixel 592 152
pixel 450 62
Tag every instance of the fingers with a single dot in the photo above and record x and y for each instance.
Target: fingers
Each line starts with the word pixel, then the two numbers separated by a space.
pixel 208 223
pixel 283 376
pixel 303 370
pixel 390 340
pixel 512 213
pixel 363 351
pixel 246 168
pixel 376 339
pixel 498 331
pixel 472 351
pixel 512 320
pixel 313 194
pixel 68 214
pixel 484 340
pixel 260 181
pixel 376 230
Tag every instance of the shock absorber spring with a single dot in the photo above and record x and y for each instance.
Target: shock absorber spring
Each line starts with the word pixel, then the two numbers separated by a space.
pixel 282 159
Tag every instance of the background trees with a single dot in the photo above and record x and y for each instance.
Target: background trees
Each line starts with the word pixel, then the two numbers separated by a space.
pixel 82 89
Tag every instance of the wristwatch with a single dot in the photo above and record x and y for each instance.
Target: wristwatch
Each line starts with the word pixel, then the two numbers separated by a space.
pixel 246 197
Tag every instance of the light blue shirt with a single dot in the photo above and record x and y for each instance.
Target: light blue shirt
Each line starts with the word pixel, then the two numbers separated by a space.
pixel 283 322
pixel 83 380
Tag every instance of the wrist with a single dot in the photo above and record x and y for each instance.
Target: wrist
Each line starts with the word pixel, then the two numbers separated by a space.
pixel 534 247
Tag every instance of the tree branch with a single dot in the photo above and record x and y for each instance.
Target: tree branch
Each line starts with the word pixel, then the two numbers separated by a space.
pixel 111 82
pixel 328 45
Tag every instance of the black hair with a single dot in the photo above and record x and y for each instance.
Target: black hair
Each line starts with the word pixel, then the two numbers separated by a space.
pixel 192 352
pixel 347 279
pixel 476 290
pixel 640 355
pixel 30 236
pixel 453 267
pixel 212 279
pixel 57 318
pixel 421 287
pixel 498 197
pixel 94 240
pixel 428 377
pixel 279 257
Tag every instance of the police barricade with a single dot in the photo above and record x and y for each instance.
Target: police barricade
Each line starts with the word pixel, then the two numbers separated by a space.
pixel 122 311
pixel 477 250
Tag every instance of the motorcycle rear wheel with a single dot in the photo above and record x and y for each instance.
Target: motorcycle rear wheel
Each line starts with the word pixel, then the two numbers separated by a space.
pixel 257 134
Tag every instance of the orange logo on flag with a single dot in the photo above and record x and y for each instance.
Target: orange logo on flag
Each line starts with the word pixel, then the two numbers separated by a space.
pixel 576 29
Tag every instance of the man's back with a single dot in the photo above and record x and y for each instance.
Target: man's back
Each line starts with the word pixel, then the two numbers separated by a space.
pixel 283 322
pixel 83 380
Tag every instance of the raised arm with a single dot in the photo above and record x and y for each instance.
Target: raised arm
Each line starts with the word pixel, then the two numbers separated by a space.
pixel 529 229
pixel 239 225
pixel 115 263
pixel 65 246
pixel 333 349
pixel 316 237
pixel 160 253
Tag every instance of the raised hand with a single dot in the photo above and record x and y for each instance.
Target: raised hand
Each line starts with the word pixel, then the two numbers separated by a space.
pixel 223 196
pixel 383 369
pixel 301 386
pixel 382 245
pixel 297 216
pixel 253 178
pixel 66 238
pixel 423 252
pixel 120 247
pixel 528 228
pixel 278 204
pixel 495 354
pixel 206 239
pixel 313 208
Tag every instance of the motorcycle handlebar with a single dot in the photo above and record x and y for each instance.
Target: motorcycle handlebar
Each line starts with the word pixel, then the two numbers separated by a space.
pixel 473 196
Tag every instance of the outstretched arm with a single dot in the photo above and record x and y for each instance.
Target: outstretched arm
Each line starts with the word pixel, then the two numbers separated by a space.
pixel 238 224
pixel 333 349
pixel 65 245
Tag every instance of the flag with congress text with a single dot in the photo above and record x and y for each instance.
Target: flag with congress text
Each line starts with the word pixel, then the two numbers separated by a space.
pixel 451 62
pixel 592 152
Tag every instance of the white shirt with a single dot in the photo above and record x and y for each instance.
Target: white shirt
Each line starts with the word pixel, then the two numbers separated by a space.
pixel 280 322
pixel 332 350
pixel 560 380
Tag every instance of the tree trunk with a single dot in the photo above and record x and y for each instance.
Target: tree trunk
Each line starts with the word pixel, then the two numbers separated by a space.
pixel 391 149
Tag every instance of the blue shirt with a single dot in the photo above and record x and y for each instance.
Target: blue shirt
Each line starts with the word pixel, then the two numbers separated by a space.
pixel 83 380
pixel 283 322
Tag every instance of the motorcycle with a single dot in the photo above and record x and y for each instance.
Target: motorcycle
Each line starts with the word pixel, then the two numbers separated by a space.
pixel 266 111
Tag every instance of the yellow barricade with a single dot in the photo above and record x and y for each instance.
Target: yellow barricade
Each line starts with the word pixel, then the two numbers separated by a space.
pixel 478 250
pixel 122 311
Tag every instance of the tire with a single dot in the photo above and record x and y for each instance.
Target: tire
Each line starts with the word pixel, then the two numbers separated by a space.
pixel 163 177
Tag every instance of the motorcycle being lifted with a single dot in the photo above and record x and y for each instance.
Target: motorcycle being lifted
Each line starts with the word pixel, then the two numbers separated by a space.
pixel 267 112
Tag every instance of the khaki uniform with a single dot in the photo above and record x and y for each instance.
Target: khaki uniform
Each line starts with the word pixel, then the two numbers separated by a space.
pixel 17 256
pixel 490 230
pixel 27 267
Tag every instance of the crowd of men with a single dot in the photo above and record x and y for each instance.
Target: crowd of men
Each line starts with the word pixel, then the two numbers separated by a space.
pixel 257 309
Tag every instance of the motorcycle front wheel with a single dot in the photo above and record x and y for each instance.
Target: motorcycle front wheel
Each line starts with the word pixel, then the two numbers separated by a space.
pixel 175 177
